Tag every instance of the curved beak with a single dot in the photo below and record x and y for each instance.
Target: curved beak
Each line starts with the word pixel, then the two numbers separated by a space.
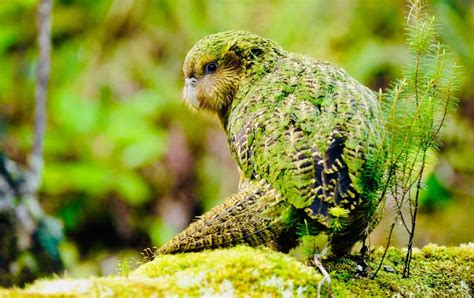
pixel 190 92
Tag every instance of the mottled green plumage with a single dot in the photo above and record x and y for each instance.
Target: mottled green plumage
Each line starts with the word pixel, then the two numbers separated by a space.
pixel 306 137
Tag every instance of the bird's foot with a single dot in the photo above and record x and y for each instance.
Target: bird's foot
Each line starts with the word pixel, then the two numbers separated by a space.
pixel 326 277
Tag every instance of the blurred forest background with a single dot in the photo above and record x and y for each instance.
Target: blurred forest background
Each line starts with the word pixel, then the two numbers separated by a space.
pixel 127 165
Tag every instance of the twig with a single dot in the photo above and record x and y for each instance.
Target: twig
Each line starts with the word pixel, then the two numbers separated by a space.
pixel 326 277
pixel 44 44
pixel 386 249
pixel 406 269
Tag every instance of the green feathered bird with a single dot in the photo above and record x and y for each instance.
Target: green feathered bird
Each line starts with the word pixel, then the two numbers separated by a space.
pixel 305 135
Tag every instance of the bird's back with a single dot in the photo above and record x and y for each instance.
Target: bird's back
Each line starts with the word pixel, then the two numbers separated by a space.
pixel 311 132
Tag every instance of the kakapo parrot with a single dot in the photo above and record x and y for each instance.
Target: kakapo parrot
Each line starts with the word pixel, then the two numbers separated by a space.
pixel 306 137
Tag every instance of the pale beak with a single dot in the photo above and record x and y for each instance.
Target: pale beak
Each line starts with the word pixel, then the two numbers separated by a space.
pixel 190 85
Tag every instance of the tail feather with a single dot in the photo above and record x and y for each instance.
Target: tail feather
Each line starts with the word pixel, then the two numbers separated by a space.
pixel 221 212
pixel 251 216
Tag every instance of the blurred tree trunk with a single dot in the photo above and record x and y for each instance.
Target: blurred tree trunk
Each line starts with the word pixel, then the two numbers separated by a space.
pixel 29 239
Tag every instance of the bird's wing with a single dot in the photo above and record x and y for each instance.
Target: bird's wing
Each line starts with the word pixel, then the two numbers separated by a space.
pixel 307 130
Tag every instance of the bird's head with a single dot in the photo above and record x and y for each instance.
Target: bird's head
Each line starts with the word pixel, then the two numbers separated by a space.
pixel 217 65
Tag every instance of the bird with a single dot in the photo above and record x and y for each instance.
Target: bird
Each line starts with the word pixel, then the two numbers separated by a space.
pixel 307 140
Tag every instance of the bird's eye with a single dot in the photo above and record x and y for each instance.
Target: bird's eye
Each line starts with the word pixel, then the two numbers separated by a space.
pixel 210 67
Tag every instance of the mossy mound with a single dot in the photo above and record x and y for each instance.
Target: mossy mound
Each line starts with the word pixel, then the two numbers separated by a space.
pixel 244 270
pixel 435 271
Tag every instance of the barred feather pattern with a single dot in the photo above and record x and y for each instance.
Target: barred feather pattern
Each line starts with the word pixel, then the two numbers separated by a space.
pixel 252 216
pixel 307 129
pixel 307 139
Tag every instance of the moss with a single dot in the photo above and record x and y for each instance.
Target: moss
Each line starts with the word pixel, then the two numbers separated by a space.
pixel 242 270
pixel 435 270
pixel 238 270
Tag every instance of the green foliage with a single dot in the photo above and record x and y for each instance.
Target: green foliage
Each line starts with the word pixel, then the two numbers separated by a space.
pixel 417 106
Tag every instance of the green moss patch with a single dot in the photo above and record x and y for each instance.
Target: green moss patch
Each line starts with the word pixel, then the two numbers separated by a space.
pixel 252 271
pixel 435 270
